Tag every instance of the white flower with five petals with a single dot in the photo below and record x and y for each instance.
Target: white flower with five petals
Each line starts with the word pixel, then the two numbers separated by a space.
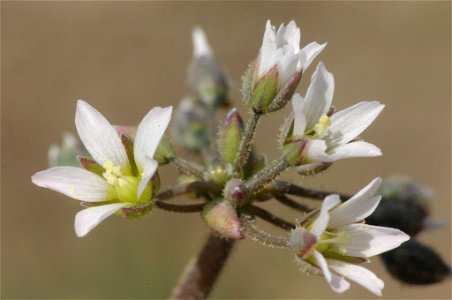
pixel 337 240
pixel 125 181
pixel 330 136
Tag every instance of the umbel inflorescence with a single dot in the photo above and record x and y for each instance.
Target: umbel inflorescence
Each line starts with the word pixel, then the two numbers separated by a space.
pixel 118 173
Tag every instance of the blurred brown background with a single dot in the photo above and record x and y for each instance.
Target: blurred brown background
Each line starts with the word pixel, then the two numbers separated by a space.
pixel 125 57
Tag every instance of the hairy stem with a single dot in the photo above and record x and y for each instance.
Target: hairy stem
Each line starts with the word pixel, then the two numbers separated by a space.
pixel 246 143
pixel 266 175
pixel 250 230
pixel 188 168
pixel 193 187
pixel 201 273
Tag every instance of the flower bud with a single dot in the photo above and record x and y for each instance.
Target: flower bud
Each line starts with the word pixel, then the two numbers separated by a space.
pixel 415 263
pixel 165 152
pixel 205 75
pixel 66 153
pixel 235 191
pixel 190 127
pixel 404 205
pixel 222 218
pixel 230 136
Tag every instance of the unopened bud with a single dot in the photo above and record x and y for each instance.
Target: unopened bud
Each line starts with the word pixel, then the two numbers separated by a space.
pixel 235 191
pixel 404 205
pixel 222 218
pixel 230 136
pixel 415 263
pixel 205 75
pixel 165 152
pixel 190 127
pixel 66 153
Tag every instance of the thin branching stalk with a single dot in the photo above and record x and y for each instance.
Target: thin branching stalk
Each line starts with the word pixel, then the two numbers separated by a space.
pixel 201 273
pixel 200 187
pixel 296 190
pixel 267 216
pixel 182 208
pixel 283 199
pixel 246 143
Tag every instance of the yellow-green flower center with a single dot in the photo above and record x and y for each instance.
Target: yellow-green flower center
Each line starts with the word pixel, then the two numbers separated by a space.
pixel 125 186
pixel 321 127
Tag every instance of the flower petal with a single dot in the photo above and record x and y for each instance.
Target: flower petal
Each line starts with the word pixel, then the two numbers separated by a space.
pixel 315 151
pixel 149 133
pixel 74 182
pixel 358 274
pixel 299 124
pixel 99 136
pixel 309 53
pixel 364 240
pixel 321 223
pixel 337 283
pixel 349 123
pixel 89 218
pixel 200 45
pixel 148 171
pixel 358 207
pixel 319 96
pixel 355 149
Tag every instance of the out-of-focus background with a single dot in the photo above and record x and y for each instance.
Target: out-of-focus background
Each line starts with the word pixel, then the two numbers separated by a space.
pixel 126 57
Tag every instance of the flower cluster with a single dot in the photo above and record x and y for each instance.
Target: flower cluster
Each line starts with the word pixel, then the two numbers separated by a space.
pixel 120 175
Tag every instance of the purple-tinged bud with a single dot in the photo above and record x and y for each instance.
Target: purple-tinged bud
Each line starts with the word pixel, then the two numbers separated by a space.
pixel 230 136
pixel 235 191
pixel 221 217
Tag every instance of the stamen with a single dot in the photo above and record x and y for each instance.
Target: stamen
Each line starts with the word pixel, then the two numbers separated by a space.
pixel 112 172
pixel 322 125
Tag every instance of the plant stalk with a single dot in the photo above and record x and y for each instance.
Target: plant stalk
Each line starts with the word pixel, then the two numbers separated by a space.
pixel 201 273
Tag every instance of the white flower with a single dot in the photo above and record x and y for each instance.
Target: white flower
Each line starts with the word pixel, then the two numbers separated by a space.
pixel 281 49
pixel 337 239
pixel 331 137
pixel 123 183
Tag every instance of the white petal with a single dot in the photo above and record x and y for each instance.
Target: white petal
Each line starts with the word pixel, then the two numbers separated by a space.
pixel 89 218
pixel 321 223
pixel 319 96
pixel 315 151
pixel 299 124
pixel 365 240
pixel 358 207
pixel 200 45
pixel 99 136
pixel 309 53
pixel 289 35
pixel 349 123
pixel 354 149
pixel 148 171
pixel 358 274
pixel 149 133
pixel 74 182
pixel 337 283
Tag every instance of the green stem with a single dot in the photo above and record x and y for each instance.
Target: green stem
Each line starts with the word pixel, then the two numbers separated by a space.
pixel 250 230
pixel 246 143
